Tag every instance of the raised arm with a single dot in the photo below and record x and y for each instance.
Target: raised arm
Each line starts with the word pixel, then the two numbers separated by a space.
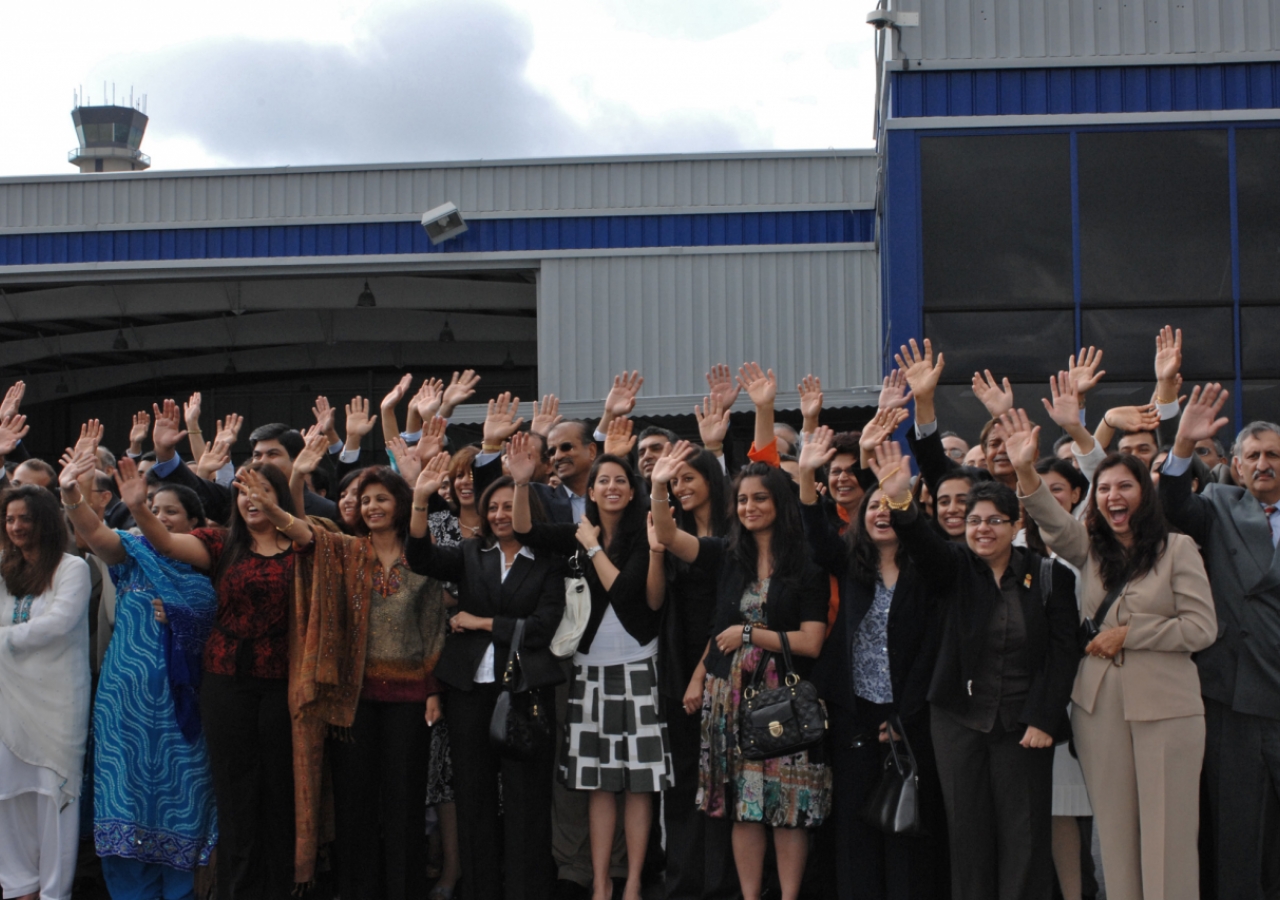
pixel 426 487
pixel 937 558
pixel 390 425
pixel 682 544
pixel 655 585
pixel 1062 532
pixel 295 528
pixel 1064 409
pixel 1188 511
pixel 522 461
pixel 76 475
pixel 315 448
pixel 461 388
pixel 191 415
pixel 621 399
pixel 762 388
pixel 713 424
pixel 810 403
pixel 180 547
pixel 922 374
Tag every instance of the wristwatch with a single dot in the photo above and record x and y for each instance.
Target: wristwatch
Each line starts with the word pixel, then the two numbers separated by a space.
pixel 746 634
pixel 592 551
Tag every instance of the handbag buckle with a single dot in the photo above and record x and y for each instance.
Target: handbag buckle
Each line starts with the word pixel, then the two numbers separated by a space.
pixel 775 728
pixel 748 693
pixel 791 680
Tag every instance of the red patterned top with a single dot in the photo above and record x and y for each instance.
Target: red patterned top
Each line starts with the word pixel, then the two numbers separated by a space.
pixel 253 611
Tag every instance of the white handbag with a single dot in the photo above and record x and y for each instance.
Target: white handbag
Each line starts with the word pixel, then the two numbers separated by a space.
pixel 577 610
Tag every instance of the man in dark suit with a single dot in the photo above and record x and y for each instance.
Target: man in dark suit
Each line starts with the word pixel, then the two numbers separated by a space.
pixel 276 444
pixel 1237 529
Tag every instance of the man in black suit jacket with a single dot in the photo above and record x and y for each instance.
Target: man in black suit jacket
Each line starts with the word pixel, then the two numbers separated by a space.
pixel 1237 529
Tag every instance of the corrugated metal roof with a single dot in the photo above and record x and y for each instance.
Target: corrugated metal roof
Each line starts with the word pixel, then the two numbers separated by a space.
pixel 969 33
pixel 343 193
pixel 673 317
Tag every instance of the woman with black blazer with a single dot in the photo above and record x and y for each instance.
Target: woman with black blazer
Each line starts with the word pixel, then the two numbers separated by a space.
pixel 499 582
pixel 617 740
pixel 1007 658
pixel 874 665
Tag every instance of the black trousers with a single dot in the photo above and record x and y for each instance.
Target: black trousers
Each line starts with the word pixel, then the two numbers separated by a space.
pixel 699 848
pixel 509 856
pixel 247 729
pixel 869 864
pixel 1240 837
pixel 380 797
pixel 999 800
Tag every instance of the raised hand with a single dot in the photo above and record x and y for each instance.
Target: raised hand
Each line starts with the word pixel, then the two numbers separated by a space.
pixel 406 458
pixel 724 389
pixel 713 423
pixel 138 431
pixel 1200 419
pixel 761 386
pixel 431 477
pixel 396 394
pixel 669 463
pixel 12 430
pixel 881 428
pixel 359 422
pixel 893 391
pixel 501 422
pixel 1132 418
pixel 622 396
pixel 655 545
pixel 427 402
pixel 315 449
pixel 817 450
pixel 74 467
pixel 1083 370
pixel 191 412
pixel 522 458
pixel 1168 359
pixel 228 430
pixel 545 415
pixel 1021 439
pixel 325 417
pixel 997 397
pixel 460 389
pixel 132 486
pixel 1064 407
pixel 618 439
pixel 810 398
pixel 921 370
pixel 893 469
pixel 255 486
pixel 432 439
pixel 216 455
pixel 168 430
pixel 90 437
pixel 12 399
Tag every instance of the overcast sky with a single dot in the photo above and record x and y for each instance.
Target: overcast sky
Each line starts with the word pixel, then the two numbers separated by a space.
pixel 296 82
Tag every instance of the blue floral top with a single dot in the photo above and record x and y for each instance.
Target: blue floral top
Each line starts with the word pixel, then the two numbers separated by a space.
pixel 871 650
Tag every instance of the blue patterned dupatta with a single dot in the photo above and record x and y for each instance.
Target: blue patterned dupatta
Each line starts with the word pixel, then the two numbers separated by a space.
pixel 153 798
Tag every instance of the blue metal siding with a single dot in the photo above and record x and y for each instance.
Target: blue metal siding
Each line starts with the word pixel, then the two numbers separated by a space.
pixel 1061 91
pixel 484 236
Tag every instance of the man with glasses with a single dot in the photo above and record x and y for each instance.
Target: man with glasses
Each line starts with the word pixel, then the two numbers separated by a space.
pixel 954 445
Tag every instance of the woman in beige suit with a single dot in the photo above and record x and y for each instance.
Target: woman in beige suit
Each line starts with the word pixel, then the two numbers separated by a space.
pixel 1137 713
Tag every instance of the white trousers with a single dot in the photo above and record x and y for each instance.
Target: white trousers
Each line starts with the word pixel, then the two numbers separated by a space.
pixel 38 846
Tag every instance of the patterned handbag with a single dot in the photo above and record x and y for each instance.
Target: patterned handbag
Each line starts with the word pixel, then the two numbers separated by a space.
pixel 783 720
pixel 520 727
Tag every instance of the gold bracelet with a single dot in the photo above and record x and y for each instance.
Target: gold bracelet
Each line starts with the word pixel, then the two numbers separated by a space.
pixel 287 527
pixel 896 507
pixel 1167 402
pixel 887 475
pixel 422 509
pixel 490 448
pixel 194 431
pixel 68 507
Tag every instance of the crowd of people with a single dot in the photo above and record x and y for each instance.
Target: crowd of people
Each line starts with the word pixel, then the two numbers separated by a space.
pixel 547 649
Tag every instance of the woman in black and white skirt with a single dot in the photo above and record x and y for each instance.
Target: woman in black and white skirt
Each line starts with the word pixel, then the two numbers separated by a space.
pixel 617 740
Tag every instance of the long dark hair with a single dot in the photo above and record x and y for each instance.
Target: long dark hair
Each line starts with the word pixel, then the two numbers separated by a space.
pixel 399 490
pixel 705 463
pixel 865 555
pixel 48 535
pixel 787 543
pixel 239 540
pixel 633 517
pixel 1150 533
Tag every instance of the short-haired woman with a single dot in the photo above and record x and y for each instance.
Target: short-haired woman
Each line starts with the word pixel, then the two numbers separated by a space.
pixel 44 696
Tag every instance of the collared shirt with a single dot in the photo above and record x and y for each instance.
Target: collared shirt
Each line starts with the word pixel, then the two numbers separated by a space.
pixel 999 687
pixel 1177 465
pixel 484 671
pixel 871 679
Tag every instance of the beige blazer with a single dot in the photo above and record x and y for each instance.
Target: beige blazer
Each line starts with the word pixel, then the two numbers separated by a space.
pixel 1169 611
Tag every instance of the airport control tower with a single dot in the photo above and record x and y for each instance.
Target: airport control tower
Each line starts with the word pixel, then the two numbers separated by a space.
pixel 109 137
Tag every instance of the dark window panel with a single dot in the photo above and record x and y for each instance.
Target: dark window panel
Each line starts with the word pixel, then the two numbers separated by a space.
pixel 1155 217
pixel 1258 195
pixel 1127 337
pixel 1259 329
pixel 1261 401
pixel 1012 345
pixel 997 220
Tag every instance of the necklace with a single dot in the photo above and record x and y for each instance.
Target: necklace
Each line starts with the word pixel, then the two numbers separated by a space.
pixel 473 530
pixel 22 609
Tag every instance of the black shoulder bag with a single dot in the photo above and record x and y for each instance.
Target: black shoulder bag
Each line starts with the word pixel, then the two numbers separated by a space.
pixel 783 720
pixel 894 805
pixel 520 726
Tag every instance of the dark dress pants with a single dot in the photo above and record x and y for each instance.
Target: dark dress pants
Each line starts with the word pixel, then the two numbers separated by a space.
pixel 872 865
pixel 247 729
pixel 508 856
pixel 380 796
pixel 699 848
pixel 1241 784
pixel 999 800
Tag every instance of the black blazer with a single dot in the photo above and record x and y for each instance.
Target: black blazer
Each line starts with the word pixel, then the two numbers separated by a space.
pixel 910 617
pixel 217 498
pixel 791 600
pixel 555 501
pixel 930 456
pixel 1240 669
pixel 627 596
pixel 533 591
pixel 966 596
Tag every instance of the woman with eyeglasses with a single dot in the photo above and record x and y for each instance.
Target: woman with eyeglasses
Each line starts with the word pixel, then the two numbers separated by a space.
pixel 1137 709
pixel 998 694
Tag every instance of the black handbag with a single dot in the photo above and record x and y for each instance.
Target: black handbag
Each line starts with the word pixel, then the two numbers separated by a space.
pixel 894 805
pixel 520 727
pixel 783 720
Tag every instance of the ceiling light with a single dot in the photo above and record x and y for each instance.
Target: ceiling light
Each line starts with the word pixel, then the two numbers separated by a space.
pixel 121 342
pixel 446 333
pixel 61 387
pixel 509 362
pixel 231 366
pixel 366 299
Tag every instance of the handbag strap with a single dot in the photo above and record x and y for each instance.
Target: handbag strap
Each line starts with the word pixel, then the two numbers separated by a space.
pixel 896 727
pixel 786 654
pixel 513 655
pixel 788 667
pixel 1109 601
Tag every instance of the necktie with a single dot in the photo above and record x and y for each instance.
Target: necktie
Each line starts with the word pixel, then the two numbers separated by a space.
pixel 1269 511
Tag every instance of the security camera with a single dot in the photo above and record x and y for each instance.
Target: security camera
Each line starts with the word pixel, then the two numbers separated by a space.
pixel 443 222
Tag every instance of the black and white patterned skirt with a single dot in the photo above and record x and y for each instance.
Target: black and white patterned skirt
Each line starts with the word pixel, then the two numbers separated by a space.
pixel 616 738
